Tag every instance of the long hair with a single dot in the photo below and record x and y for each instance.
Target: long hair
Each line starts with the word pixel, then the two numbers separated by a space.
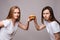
pixel 10 15
pixel 52 18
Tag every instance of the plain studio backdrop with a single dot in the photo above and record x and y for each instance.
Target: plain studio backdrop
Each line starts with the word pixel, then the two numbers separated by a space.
pixel 29 7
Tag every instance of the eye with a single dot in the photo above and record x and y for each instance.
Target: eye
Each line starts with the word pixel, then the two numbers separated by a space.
pixel 14 12
pixel 47 13
pixel 18 12
pixel 44 13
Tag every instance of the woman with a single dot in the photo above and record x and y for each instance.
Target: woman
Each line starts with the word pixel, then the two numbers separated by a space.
pixel 49 22
pixel 10 24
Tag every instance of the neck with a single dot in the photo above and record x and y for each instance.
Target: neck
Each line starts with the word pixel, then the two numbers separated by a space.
pixel 13 20
pixel 48 20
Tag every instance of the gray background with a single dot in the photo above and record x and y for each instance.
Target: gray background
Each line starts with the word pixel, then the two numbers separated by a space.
pixel 29 7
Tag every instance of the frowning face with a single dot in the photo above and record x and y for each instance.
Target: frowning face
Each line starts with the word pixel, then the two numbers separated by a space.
pixel 46 14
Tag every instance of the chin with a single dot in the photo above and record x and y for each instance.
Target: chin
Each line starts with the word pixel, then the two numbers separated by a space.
pixel 15 18
pixel 46 19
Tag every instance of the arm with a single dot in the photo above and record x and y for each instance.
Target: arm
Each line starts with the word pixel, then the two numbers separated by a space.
pixel 1 24
pixel 4 23
pixel 57 36
pixel 56 30
pixel 24 27
pixel 38 27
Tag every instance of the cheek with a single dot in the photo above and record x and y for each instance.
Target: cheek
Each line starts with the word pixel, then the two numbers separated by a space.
pixel 44 16
pixel 18 14
pixel 48 16
pixel 14 15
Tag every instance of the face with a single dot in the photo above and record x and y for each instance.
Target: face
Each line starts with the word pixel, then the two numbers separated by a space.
pixel 46 14
pixel 16 13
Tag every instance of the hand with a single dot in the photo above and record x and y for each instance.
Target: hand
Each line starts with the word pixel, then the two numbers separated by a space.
pixel 32 17
pixel 29 20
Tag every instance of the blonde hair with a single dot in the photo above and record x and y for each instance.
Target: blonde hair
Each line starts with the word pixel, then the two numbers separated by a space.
pixel 10 15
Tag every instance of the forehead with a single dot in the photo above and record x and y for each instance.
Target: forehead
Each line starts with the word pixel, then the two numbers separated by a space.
pixel 16 10
pixel 46 11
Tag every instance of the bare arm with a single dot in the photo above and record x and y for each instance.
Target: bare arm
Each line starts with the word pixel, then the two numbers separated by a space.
pixel 38 27
pixel 57 36
pixel 1 24
pixel 24 27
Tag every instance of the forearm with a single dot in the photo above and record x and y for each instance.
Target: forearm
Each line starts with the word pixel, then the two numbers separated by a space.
pixel 36 25
pixel 57 36
pixel 27 25
pixel 1 24
pixel 39 27
pixel 24 27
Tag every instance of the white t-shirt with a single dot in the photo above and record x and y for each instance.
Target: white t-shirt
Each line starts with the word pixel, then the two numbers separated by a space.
pixel 8 31
pixel 52 27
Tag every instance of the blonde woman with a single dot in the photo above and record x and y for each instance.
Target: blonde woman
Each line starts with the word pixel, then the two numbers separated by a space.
pixel 11 23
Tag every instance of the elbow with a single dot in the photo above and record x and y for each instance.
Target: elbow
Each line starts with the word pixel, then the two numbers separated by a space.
pixel 38 29
pixel 58 38
pixel 26 29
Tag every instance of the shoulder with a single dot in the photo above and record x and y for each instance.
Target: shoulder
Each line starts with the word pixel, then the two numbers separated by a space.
pixel 55 27
pixel 54 23
pixel 6 22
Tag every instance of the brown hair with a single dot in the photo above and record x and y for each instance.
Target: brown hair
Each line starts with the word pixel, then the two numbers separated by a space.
pixel 10 15
pixel 52 18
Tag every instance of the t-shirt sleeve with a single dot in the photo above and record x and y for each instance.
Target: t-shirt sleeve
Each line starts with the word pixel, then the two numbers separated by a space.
pixel 55 27
pixel 6 22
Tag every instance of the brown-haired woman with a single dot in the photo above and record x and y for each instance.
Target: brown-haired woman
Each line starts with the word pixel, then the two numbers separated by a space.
pixel 10 24
pixel 49 22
